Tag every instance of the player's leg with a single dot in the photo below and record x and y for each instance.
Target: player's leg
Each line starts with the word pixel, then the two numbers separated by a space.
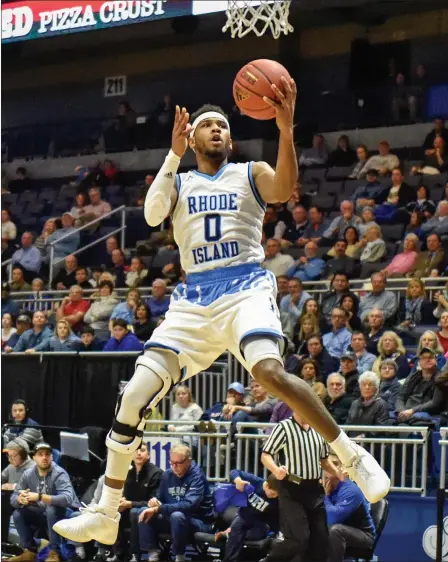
pixel 156 372
pixel 259 354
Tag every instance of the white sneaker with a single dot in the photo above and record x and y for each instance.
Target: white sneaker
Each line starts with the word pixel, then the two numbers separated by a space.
pixel 153 556
pixel 368 474
pixel 92 524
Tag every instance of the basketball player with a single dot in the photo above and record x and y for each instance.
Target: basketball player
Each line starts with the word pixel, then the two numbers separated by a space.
pixel 227 302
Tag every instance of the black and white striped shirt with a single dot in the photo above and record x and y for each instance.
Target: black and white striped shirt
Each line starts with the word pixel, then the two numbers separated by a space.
pixel 303 448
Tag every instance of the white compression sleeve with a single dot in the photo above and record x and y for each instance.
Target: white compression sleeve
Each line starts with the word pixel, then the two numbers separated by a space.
pixel 158 198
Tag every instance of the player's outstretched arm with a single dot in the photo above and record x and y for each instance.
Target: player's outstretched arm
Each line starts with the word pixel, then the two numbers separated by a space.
pixel 275 186
pixel 162 195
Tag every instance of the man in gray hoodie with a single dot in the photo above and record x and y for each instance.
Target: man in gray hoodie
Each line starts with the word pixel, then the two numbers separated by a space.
pixel 43 496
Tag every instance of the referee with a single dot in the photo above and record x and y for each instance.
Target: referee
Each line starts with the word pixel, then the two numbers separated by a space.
pixel 303 519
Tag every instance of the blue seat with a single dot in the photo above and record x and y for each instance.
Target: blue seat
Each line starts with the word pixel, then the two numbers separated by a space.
pixel 28 197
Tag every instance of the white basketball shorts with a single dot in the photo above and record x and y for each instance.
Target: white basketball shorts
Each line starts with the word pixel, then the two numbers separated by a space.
pixel 217 310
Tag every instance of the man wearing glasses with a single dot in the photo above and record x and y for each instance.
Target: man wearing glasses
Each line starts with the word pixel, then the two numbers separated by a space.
pixel 337 341
pixel 183 506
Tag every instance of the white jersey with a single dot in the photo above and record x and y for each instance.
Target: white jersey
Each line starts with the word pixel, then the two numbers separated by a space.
pixel 218 220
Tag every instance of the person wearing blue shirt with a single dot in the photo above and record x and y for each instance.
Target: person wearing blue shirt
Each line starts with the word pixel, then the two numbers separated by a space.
pixel 126 310
pixel 28 257
pixel 159 302
pixel 39 334
pixel 67 246
pixel 337 341
pixel 365 195
pixel 183 506
pixel 292 304
pixel 258 518
pixel 122 339
pixel 308 267
pixel 359 347
pixel 348 516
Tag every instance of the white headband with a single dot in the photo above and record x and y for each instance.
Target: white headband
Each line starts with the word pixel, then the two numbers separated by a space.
pixel 208 115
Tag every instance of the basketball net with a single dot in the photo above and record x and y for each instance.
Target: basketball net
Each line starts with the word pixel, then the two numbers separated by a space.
pixel 245 16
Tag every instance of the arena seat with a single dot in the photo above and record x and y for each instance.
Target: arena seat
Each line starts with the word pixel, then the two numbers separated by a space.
pixel 379 512
pixel 392 232
pixel 331 187
pixel 324 202
pixel 338 172
pixel 314 175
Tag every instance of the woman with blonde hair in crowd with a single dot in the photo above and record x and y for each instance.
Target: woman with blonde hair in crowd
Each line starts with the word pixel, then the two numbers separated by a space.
pixel 391 346
pixel 442 334
pixel 417 310
pixel 62 340
pixel 185 409
pixel 430 340
pixel 307 324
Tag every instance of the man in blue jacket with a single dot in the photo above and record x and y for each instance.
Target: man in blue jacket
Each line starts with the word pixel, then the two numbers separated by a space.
pixel 40 333
pixel 348 516
pixel 43 496
pixel 183 506
pixel 259 518
pixel 122 339
pixel 309 267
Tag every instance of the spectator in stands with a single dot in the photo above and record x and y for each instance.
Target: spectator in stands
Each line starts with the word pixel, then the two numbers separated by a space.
pixel 20 418
pixel 369 408
pixel 43 496
pixel 96 273
pixel 337 341
pixel 339 224
pixel 404 261
pixel 137 273
pixel 400 98
pixel 441 298
pixel 418 398
pixel 308 371
pixel 62 340
pixel 79 209
pixel 7 304
pixel 19 285
pixel 66 277
pixel 392 200
pixel 317 155
pixel 9 229
pixel 23 323
pixel 99 313
pixel 274 260
pixel 142 483
pixel 159 301
pixel 19 460
pixel 22 182
pixel 66 246
pixel 306 325
pixel 365 194
pixel 374 250
pixel 282 287
pixel 118 270
pixel 338 402
pixel 423 204
pixel 430 340
pixel 375 329
pixel 184 505
pixel 417 93
pixel 257 519
pixel 8 329
pixel 291 235
pixel 442 334
pixel 222 412
pixel 309 267
pixel 122 339
pixel 391 346
pixel 82 278
pixel 311 306
pixel 417 310
pixel 353 246
pixel 144 324
pixel 327 364
pixel 380 298
pixel 315 229
pixel 339 286
pixel 348 516
pixel 73 308
pixel 97 207
pixel 349 370
pixel 110 171
pixel 89 341
pixel 432 259
pixel 362 155
pixel 436 161
pixel 383 163
pixel 185 409
pixel 438 224
pixel 111 245
pixel 341 262
pixel 292 303
pixel 350 303
pixel 390 385
pixel 258 409
pixel 367 221
pixel 143 190
pixel 38 334
pixel 344 155
pixel 126 310
pixel 439 130
pixel 359 348
pixel 41 241
pixel 416 220
pixel 270 221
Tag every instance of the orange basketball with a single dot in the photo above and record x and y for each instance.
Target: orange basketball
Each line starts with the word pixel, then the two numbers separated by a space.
pixel 253 82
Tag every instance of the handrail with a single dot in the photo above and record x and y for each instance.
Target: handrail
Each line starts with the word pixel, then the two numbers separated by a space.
pixel 121 209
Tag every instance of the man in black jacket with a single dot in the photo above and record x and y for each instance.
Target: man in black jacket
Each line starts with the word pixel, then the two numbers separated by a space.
pixel 141 485
pixel 349 370
pixel 338 402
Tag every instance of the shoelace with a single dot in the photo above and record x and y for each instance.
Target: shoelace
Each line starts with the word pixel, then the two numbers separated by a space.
pixel 90 508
